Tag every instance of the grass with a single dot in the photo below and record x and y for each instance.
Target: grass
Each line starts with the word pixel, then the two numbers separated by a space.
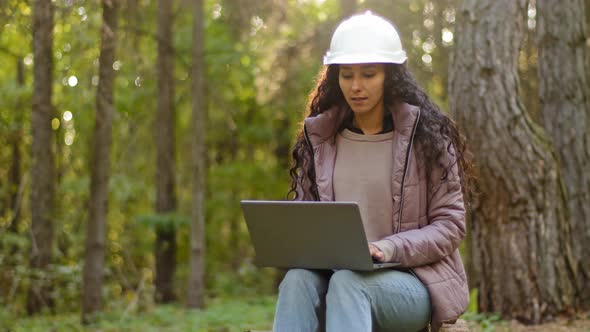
pixel 221 315
pixel 484 322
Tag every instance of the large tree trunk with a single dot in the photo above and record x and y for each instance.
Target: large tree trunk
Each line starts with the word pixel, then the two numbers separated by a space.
pixel 42 169
pixel 165 143
pixel 196 286
pixel 521 238
pixel 564 89
pixel 100 166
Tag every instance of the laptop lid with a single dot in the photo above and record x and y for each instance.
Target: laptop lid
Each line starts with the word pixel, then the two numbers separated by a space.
pixel 313 235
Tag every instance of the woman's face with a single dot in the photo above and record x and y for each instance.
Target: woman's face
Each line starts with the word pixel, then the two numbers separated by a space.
pixel 362 86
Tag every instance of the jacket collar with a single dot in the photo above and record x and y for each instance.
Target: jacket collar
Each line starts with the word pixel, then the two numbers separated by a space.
pixel 324 126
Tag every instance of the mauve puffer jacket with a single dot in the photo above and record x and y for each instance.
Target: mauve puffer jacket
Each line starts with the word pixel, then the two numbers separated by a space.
pixel 428 223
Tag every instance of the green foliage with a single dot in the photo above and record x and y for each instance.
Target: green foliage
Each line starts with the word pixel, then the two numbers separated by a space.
pixel 473 301
pixel 164 221
pixel 486 322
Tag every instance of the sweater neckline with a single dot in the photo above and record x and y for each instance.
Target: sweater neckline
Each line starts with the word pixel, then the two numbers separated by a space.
pixel 348 134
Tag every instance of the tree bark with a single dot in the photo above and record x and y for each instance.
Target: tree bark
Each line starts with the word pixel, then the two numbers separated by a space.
pixel 166 153
pixel 196 286
pixel 100 166
pixel 42 169
pixel 521 238
pixel 528 69
pixel 564 89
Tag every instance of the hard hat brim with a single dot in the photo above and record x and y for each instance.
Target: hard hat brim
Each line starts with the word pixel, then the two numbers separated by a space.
pixel 335 58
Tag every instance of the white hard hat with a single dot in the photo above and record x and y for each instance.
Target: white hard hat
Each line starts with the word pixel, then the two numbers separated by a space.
pixel 365 38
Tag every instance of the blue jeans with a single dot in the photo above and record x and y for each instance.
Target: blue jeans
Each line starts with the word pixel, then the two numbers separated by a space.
pixel 388 300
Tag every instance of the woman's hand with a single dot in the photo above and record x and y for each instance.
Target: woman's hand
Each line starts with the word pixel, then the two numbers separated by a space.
pixel 376 253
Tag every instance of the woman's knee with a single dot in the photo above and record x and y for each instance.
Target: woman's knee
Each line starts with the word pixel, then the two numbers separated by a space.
pixel 303 279
pixel 346 277
pixel 345 281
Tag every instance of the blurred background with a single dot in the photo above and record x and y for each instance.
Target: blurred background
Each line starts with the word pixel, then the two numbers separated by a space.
pixel 259 62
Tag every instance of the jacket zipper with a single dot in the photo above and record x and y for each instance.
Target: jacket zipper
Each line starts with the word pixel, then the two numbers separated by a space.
pixel 408 154
pixel 401 207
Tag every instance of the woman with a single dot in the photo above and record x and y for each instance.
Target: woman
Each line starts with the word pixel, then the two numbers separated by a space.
pixel 374 137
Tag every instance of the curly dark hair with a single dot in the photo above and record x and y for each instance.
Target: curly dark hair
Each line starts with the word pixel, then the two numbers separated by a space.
pixel 435 132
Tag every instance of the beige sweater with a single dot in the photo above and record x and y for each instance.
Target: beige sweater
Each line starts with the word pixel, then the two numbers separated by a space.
pixel 362 174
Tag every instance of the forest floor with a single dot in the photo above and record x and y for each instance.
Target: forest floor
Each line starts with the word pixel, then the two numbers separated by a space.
pixel 228 315
pixel 481 323
pixel 561 325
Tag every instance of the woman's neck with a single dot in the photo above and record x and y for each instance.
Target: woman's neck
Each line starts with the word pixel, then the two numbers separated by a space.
pixel 370 123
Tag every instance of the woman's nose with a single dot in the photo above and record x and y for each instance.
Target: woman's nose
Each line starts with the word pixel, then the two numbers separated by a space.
pixel 356 84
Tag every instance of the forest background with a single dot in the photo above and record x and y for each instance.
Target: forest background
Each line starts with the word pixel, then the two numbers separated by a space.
pixel 173 111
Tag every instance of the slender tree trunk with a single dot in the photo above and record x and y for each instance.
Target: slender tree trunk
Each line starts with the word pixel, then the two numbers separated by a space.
pixel 42 170
pixel 100 166
pixel 133 38
pixel 520 234
pixel 15 181
pixel 16 138
pixel 564 88
pixel 440 66
pixel 235 233
pixel 347 8
pixel 166 154
pixel 132 15
pixel 196 286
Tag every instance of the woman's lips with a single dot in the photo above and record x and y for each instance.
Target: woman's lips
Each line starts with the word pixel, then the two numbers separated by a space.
pixel 358 100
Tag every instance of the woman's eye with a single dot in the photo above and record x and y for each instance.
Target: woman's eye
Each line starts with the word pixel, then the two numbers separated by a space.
pixel 346 77
pixel 369 75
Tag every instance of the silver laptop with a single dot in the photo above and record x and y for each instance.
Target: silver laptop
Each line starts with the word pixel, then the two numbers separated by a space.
pixel 313 235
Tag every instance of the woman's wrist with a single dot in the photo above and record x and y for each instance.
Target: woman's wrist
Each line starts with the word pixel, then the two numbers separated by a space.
pixel 386 247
